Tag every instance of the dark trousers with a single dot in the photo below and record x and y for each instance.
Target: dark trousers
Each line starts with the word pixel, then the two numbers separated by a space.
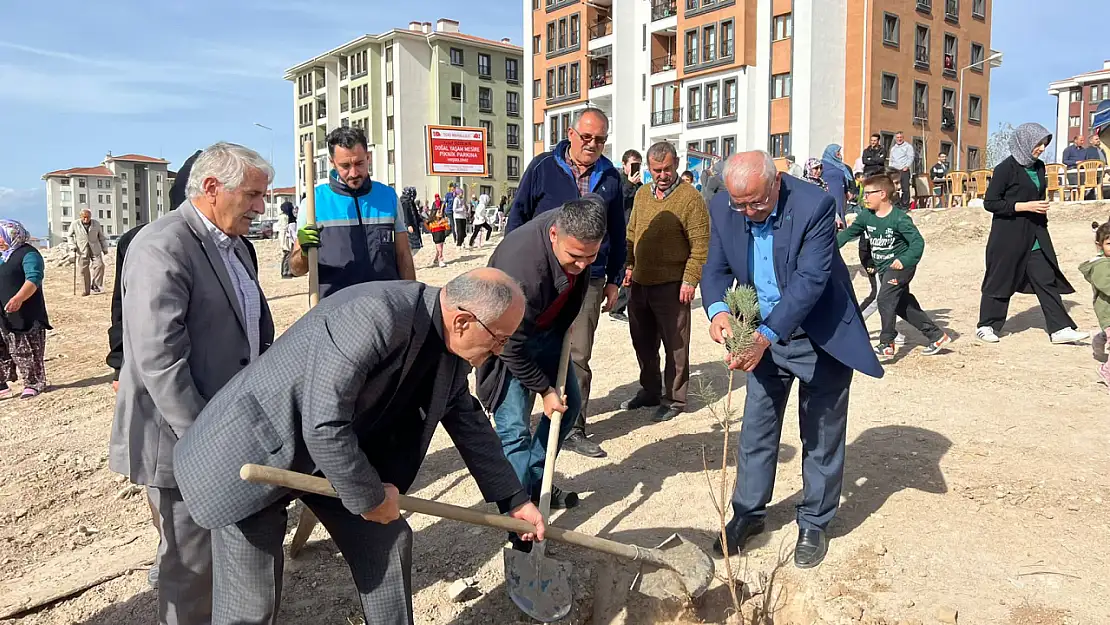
pixel 907 188
pixel 822 421
pixel 248 560
pixel 656 316
pixel 895 300
pixel 582 345
pixel 621 307
pixel 1042 277
pixel 478 229
pixel 460 231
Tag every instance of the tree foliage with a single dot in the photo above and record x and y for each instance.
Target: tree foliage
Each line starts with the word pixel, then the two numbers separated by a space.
pixel 998 144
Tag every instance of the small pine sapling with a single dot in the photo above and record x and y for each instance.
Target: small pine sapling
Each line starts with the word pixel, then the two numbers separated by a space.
pixel 743 306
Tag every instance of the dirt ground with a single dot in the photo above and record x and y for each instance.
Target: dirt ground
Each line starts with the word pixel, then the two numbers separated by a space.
pixel 975 487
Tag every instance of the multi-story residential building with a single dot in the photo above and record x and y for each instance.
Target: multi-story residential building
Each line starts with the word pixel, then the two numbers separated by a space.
pixel 786 76
pixel 122 192
pixel 280 196
pixel 1077 98
pixel 395 84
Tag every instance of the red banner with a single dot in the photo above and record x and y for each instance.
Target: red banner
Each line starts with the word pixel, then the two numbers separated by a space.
pixel 456 151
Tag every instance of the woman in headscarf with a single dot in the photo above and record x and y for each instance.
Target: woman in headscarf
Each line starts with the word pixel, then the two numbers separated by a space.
pixel 23 323
pixel 412 219
pixel 1020 256
pixel 812 173
pixel 288 234
pixel 838 177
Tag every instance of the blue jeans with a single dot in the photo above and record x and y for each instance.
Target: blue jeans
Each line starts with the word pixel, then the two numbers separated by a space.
pixel 526 450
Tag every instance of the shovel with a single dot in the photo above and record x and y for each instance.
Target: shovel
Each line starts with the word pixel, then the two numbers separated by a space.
pixel 681 570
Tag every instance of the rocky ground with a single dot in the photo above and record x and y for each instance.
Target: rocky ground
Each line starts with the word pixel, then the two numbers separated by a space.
pixel 975 489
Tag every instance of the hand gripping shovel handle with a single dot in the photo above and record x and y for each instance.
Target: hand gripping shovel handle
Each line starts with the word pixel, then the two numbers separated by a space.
pixel 553 433
pixel 258 474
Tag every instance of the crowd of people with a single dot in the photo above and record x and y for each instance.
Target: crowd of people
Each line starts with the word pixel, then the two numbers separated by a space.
pixel 356 388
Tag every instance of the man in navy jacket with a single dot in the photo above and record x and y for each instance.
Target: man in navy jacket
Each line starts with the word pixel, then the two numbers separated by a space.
pixel 574 168
pixel 778 234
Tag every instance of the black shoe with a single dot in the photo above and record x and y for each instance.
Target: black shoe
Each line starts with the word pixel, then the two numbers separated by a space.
pixel 738 531
pixel 577 442
pixel 666 413
pixel 811 548
pixel 619 317
pixel 560 499
pixel 638 402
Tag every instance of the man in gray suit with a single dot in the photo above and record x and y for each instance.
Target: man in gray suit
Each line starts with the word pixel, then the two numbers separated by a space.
pixel 87 239
pixel 194 316
pixel 354 391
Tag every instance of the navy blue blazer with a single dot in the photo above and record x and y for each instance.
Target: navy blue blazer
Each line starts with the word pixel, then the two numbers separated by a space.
pixel 817 293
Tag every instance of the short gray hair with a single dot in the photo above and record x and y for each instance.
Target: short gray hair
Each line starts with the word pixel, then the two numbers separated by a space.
pixel 484 297
pixel 589 110
pixel 228 163
pixel 661 150
pixel 741 167
pixel 583 219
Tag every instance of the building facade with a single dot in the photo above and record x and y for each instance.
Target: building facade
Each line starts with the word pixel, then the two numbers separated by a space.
pixel 1077 98
pixel 786 76
pixel 395 84
pixel 122 192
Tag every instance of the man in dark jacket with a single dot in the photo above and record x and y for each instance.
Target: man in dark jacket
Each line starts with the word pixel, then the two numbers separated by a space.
pixel 874 156
pixel 1075 152
pixel 631 181
pixel 550 257
pixel 574 168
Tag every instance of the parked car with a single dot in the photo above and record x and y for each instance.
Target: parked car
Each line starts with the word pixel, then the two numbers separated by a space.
pixel 261 229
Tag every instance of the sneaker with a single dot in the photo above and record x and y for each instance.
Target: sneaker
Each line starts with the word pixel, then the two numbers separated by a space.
pixel 638 402
pixel 986 334
pixel 28 393
pixel 152 576
pixel 623 318
pixel 577 442
pixel 665 413
pixel 900 339
pixel 6 391
pixel 884 352
pixel 442 264
pixel 1068 335
pixel 560 499
pixel 937 346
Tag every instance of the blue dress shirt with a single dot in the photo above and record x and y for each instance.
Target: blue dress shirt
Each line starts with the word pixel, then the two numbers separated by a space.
pixel 761 264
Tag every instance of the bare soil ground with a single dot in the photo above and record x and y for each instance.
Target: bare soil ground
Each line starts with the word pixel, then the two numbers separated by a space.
pixel 975 483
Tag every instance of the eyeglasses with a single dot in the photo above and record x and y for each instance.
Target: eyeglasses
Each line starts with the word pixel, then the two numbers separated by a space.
pixel 761 205
pixel 867 193
pixel 595 139
pixel 499 341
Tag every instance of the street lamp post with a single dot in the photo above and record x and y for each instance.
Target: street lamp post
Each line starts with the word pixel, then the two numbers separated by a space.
pixel 264 127
pixel 960 106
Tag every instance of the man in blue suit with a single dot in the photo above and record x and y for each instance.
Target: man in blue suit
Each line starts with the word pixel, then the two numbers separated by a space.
pixel 778 234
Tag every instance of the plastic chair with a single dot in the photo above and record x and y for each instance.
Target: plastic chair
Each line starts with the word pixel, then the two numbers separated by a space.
pixel 1089 178
pixel 957 187
pixel 1054 176
pixel 980 179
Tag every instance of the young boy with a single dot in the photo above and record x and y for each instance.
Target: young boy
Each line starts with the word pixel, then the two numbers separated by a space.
pixel 896 248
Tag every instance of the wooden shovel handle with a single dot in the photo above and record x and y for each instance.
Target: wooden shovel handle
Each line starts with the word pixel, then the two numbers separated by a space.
pixel 259 474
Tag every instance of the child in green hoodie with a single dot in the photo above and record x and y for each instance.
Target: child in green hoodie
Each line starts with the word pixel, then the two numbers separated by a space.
pixel 1097 272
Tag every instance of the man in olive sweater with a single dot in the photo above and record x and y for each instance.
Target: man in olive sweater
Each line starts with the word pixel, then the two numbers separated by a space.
pixel 896 248
pixel 669 230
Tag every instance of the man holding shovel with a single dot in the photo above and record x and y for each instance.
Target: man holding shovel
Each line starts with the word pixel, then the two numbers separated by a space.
pixel 354 390
pixel 550 257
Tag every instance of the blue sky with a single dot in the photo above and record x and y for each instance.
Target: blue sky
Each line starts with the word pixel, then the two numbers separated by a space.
pixel 79 78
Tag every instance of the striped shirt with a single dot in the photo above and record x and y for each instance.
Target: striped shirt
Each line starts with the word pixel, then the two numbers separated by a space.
pixel 246 289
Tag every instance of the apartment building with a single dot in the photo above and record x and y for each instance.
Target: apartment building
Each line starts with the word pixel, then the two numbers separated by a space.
pixel 395 84
pixel 786 76
pixel 122 192
pixel 1077 99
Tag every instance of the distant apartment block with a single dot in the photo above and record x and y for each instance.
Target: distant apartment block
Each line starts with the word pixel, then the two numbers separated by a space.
pixel 1077 98
pixel 122 192
pixel 786 76
pixel 395 84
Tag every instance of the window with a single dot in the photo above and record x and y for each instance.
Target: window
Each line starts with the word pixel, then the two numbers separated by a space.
pixel 709 40
pixel 977 57
pixel 947 109
pixel 890 89
pixel 1106 92
pixel 780 145
pixel 692 47
pixel 512 135
pixel 485 68
pixel 693 146
pixel 456 57
pixel 536 44
pixel 108 227
pixel 575 28
pixel 488 125
pixel 729 108
pixel 389 122
pixel 390 157
pixel 512 103
pixel 574 76
pixel 389 88
pixel 537 132
pixel 83 199
pixel 457 91
pixel 728 146
pixel 921 47
pixel 66 196
pixel 781 85
pixel 712 101
pixel 1094 93
pixel 100 214
pixel 1076 96
pixel 952 10
pixel 562 80
pixel 514 167
pixel 389 54
pixel 550 84
pixel 1073 122
pixel 974 109
pixel 537 88
pixel 728 37
pixel 711 146
pixel 551 37
pixel 65 227
pixel 973 160
pixel 512 70
pixel 485 99
pixel 456 120
pixel 979 9
pixel 562 34
pixel 99 183
pixel 783 26
pixel 950 54
pixel 693 104
pixel 81 181
pixel 890 29
pixel 920 101
pixel 64 182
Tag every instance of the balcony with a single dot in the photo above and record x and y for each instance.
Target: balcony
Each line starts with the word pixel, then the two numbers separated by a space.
pixel 321 112
pixel 601 79
pixel 666 116
pixel 952 11
pixel 920 113
pixel 921 57
pixel 661 9
pixel 947 118
pixel 603 28
pixel 663 63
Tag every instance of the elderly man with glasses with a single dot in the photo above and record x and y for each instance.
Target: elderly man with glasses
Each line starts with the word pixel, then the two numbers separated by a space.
pixel 575 167
pixel 777 234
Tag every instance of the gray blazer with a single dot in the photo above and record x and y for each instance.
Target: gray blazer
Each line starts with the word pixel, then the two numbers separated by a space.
pixel 323 395
pixel 183 339
pixel 91 243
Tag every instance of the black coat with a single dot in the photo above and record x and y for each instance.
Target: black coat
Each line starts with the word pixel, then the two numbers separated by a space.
pixel 1014 233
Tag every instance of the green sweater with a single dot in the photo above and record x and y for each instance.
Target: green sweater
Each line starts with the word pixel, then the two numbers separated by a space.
pixel 1097 272
pixel 892 237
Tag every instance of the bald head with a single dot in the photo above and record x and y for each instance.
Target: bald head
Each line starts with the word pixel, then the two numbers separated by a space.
pixel 751 180
pixel 86 215
pixel 481 310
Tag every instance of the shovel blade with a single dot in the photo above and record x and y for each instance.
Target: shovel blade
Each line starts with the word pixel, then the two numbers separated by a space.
pixel 684 571
pixel 538 585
